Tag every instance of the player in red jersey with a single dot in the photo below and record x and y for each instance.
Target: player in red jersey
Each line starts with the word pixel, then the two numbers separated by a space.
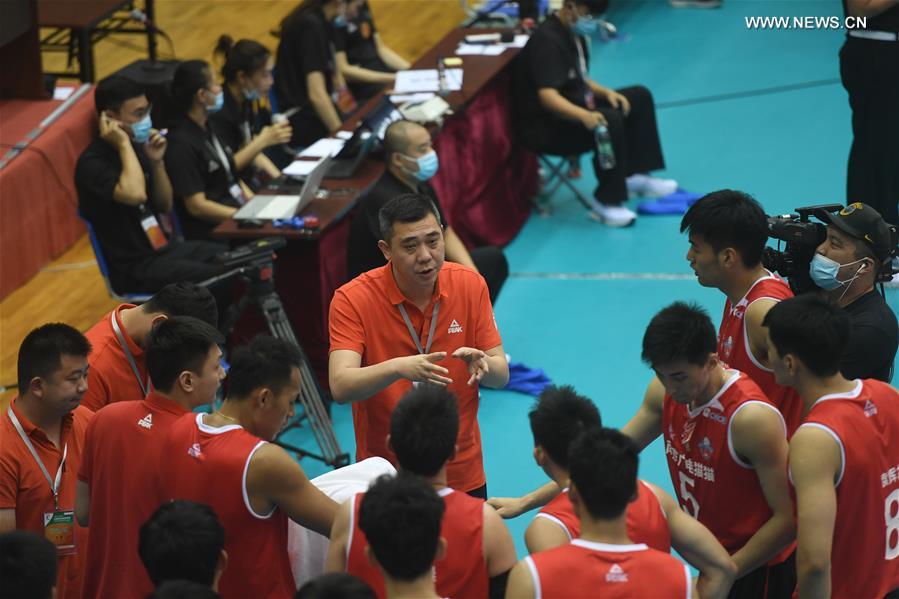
pixel 653 517
pixel 604 559
pixel 843 459
pixel 480 551
pixel 225 460
pixel 728 231
pixel 400 517
pixel 122 448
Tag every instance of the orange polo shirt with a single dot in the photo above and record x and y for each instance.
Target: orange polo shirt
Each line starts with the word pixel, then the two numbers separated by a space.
pixel 24 488
pixel 110 378
pixel 365 318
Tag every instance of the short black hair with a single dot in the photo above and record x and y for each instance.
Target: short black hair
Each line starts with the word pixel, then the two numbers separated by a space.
pixel 41 352
pixel 265 362
pixel 246 56
pixel 335 585
pixel 184 299
pixel 811 328
pixel 424 427
pixel 681 331
pixel 177 344
pixel 114 91
pixel 603 468
pixel 182 540
pixel 729 219
pixel 190 77
pixel 401 517
pixel 183 589
pixel 27 565
pixel 405 208
pixel 559 416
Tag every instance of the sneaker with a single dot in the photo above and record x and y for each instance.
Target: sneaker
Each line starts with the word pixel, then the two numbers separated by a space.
pixel 613 216
pixel 695 3
pixel 646 185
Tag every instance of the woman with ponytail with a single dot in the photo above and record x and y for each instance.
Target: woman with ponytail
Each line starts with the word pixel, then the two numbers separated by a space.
pixel 247 72
pixel 204 176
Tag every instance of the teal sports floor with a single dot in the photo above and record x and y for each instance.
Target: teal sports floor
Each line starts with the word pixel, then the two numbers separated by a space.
pixel 759 111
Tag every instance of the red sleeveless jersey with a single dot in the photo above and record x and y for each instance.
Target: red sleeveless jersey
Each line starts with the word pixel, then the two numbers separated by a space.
pixel 713 483
pixel 865 424
pixel 646 521
pixel 734 351
pixel 462 573
pixel 209 465
pixel 602 570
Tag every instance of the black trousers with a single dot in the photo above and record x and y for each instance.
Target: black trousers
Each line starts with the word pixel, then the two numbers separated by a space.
pixel 191 261
pixel 493 266
pixel 635 140
pixel 767 582
pixel 870 73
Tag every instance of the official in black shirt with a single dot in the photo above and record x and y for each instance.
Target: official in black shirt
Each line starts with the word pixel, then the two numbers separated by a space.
pixel 846 266
pixel 204 176
pixel 869 68
pixel 411 161
pixel 307 75
pixel 123 190
pixel 367 63
pixel 559 108
pixel 242 123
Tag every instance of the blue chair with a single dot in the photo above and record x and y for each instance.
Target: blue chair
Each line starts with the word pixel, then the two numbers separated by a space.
pixel 132 298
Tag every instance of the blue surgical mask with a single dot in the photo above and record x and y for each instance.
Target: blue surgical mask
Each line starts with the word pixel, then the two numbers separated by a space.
pixel 339 21
pixel 585 26
pixel 140 130
pixel 219 102
pixel 427 166
pixel 824 272
pixel 250 95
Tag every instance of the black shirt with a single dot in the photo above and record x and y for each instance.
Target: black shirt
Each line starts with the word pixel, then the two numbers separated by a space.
pixel 357 39
pixel 194 166
pixel 363 253
pixel 551 58
pixel 306 46
pixel 888 20
pixel 237 125
pixel 117 225
pixel 873 338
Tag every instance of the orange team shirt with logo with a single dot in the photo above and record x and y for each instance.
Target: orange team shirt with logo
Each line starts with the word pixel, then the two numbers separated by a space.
pixel 111 378
pixel 365 318
pixel 646 520
pixel 24 488
pixel 121 451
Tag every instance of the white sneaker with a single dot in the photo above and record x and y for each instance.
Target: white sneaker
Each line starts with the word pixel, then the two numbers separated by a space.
pixel 613 216
pixel 646 185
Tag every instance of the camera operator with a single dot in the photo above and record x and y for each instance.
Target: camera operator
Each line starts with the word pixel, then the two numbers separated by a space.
pixel 846 266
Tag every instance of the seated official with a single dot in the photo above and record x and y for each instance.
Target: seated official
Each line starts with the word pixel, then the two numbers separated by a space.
pixel 366 62
pixel 123 189
pixel 248 79
pixel 560 108
pixel 308 77
pixel 411 161
pixel 204 176
pixel 845 266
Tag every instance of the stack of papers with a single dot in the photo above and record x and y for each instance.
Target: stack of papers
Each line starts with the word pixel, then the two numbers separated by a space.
pixel 323 147
pixel 299 168
pixel 426 80
pixel 480 49
pixel 416 97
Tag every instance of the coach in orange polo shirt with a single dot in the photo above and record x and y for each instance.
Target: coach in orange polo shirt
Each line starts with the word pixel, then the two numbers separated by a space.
pixel 416 319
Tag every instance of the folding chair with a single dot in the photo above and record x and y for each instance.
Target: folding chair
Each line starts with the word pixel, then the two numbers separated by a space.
pixel 131 298
pixel 555 177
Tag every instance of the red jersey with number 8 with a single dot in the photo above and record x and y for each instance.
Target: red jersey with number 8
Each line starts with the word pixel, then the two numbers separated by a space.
pixel 714 484
pixel 864 559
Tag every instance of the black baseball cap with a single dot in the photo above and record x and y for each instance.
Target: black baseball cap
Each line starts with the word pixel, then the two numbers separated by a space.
pixel 864 223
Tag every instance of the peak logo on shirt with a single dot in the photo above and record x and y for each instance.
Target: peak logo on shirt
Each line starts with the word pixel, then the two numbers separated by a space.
pixel 146 421
pixel 616 574
pixel 195 452
pixel 455 327
pixel 870 409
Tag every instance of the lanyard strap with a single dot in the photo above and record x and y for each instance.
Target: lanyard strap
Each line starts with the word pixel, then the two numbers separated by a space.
pixel 53 482
pixel 581 59
pixel 412 332
pixel 144 387
pixel 216 147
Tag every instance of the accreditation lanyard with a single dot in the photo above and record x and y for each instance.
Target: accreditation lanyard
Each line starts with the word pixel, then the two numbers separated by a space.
pixel 144 387
pixel 415 338
pixel 53 482
pixel 216 147
pixel 582 68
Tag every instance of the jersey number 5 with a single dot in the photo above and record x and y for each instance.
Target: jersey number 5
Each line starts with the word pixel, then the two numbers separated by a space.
pixel 891 515
pixel 687 500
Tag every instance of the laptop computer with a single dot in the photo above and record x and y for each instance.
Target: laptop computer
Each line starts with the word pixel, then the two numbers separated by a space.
pixel 369 132
pixel 271 207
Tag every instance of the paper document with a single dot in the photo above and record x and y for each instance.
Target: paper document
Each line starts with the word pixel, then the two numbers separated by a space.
pixel 520 40
pixel 480 50
pixel 323 147
pixel 279 207
pixel 344 134
pixel 426 80
pixel 62 92
pixel 299 168
pixel 419 97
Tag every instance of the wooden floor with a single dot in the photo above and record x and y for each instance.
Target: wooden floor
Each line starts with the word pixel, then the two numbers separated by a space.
pixel 70 289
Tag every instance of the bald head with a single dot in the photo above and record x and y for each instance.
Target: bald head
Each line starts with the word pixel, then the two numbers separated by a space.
pixel 406 137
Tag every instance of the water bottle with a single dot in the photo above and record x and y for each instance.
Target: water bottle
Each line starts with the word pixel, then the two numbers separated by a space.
pixel 605 152
pixel 441 78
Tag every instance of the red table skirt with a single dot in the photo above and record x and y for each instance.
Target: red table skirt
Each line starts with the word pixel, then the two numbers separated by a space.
pixel 38 203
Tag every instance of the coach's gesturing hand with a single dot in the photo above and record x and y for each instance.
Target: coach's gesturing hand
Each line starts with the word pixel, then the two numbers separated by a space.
pixel 424 368
pixel 477 363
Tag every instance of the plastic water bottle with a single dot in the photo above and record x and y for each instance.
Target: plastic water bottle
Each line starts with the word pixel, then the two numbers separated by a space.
pixel 605 152
pixel 441 78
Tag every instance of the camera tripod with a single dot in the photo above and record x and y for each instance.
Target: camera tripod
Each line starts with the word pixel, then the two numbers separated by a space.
pixel 259 276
